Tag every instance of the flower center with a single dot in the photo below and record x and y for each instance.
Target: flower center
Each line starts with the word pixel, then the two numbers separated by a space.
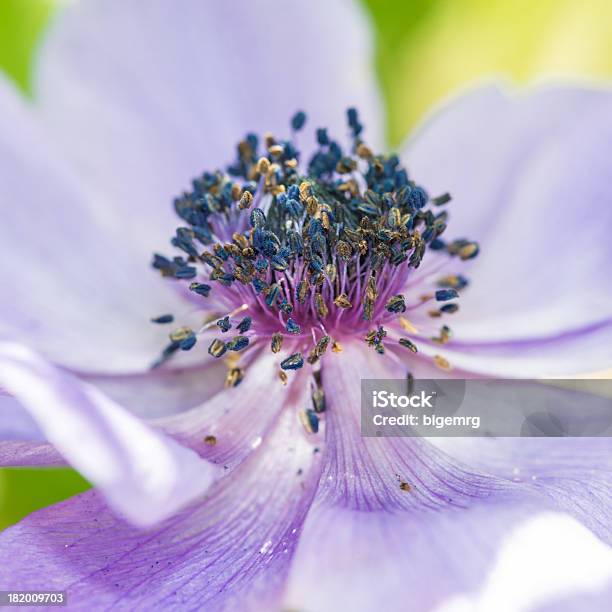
pixel 301 256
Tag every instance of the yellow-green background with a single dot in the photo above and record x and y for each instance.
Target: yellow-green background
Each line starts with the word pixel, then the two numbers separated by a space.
pixel 425 50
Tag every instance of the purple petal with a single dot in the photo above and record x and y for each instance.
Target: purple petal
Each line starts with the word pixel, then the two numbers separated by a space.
pixel 369 543
pixel 365 473
pixel 530 181
pixel 20 453
pixel 78 290
pixel 230 551
pixel 177 88
pixel 144 475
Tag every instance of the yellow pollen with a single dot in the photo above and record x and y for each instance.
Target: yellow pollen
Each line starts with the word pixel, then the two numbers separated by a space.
pixel 407 325
pixel 442 363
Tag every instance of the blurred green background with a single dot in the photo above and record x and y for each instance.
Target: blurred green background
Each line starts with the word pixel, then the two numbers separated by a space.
pixel 425 50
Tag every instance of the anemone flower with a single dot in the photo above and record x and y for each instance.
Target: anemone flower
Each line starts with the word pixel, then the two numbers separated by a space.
pixel 223 439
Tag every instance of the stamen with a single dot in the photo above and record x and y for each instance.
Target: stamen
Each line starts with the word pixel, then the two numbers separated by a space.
pixel 314 249
pixel 441 362
pixel 162 319
pixel 310 421
pixel 293 362
pixel 277 342
pixel 217 348
pixel 443 295
pixel 234 377
pixel 408 344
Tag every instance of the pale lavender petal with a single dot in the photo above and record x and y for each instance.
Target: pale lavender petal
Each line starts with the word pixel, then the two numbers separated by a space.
pixel 230 425
pixel 371 543
pixel 566 355
pixel 575 473
pixel 594 600
pixel 145 476
pixel 529 175
pixel 16 423
pixel 149 395
pixel 231 551
pixel 548 560
pixel 367 561
pixel 165 391
pixel 21 440
pixel 176 89
pixel 76 289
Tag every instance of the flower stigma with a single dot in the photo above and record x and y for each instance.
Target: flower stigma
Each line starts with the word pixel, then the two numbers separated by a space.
pixel 299 257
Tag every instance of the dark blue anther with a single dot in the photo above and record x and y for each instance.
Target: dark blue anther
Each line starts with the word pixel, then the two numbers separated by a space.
pixel 279 264
pixel 251 186
pixel 294 207
pixel 322 137
pixel 353 121
pixel 290 151
pixel 292 327
pixel 257 218
pixel 311 421
pixel 284 252
pixel 295 243
pixel 224 324
pixel 238 343
pixel 428 234
pixel 161 263
pixel 259 285
pixel 166 354
pixel 437 244
pixel 270 246
pixel 222 253
pixel 285 306
pixel 314 227
pixel 443 295
pixel 293 362
pixel 202 233
pixel 418 197
pixel 166 318
pixel 226 279
pixel 188 343
pixel 456 281
pixel 272 295
pixel 449 308
pixel 401 178
pixel 261 264
pixel 244 325
pixel 186 272
pixel 200 288
pixel 298 120
pixel 259 236
pixel 253 141
pixel 316 263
